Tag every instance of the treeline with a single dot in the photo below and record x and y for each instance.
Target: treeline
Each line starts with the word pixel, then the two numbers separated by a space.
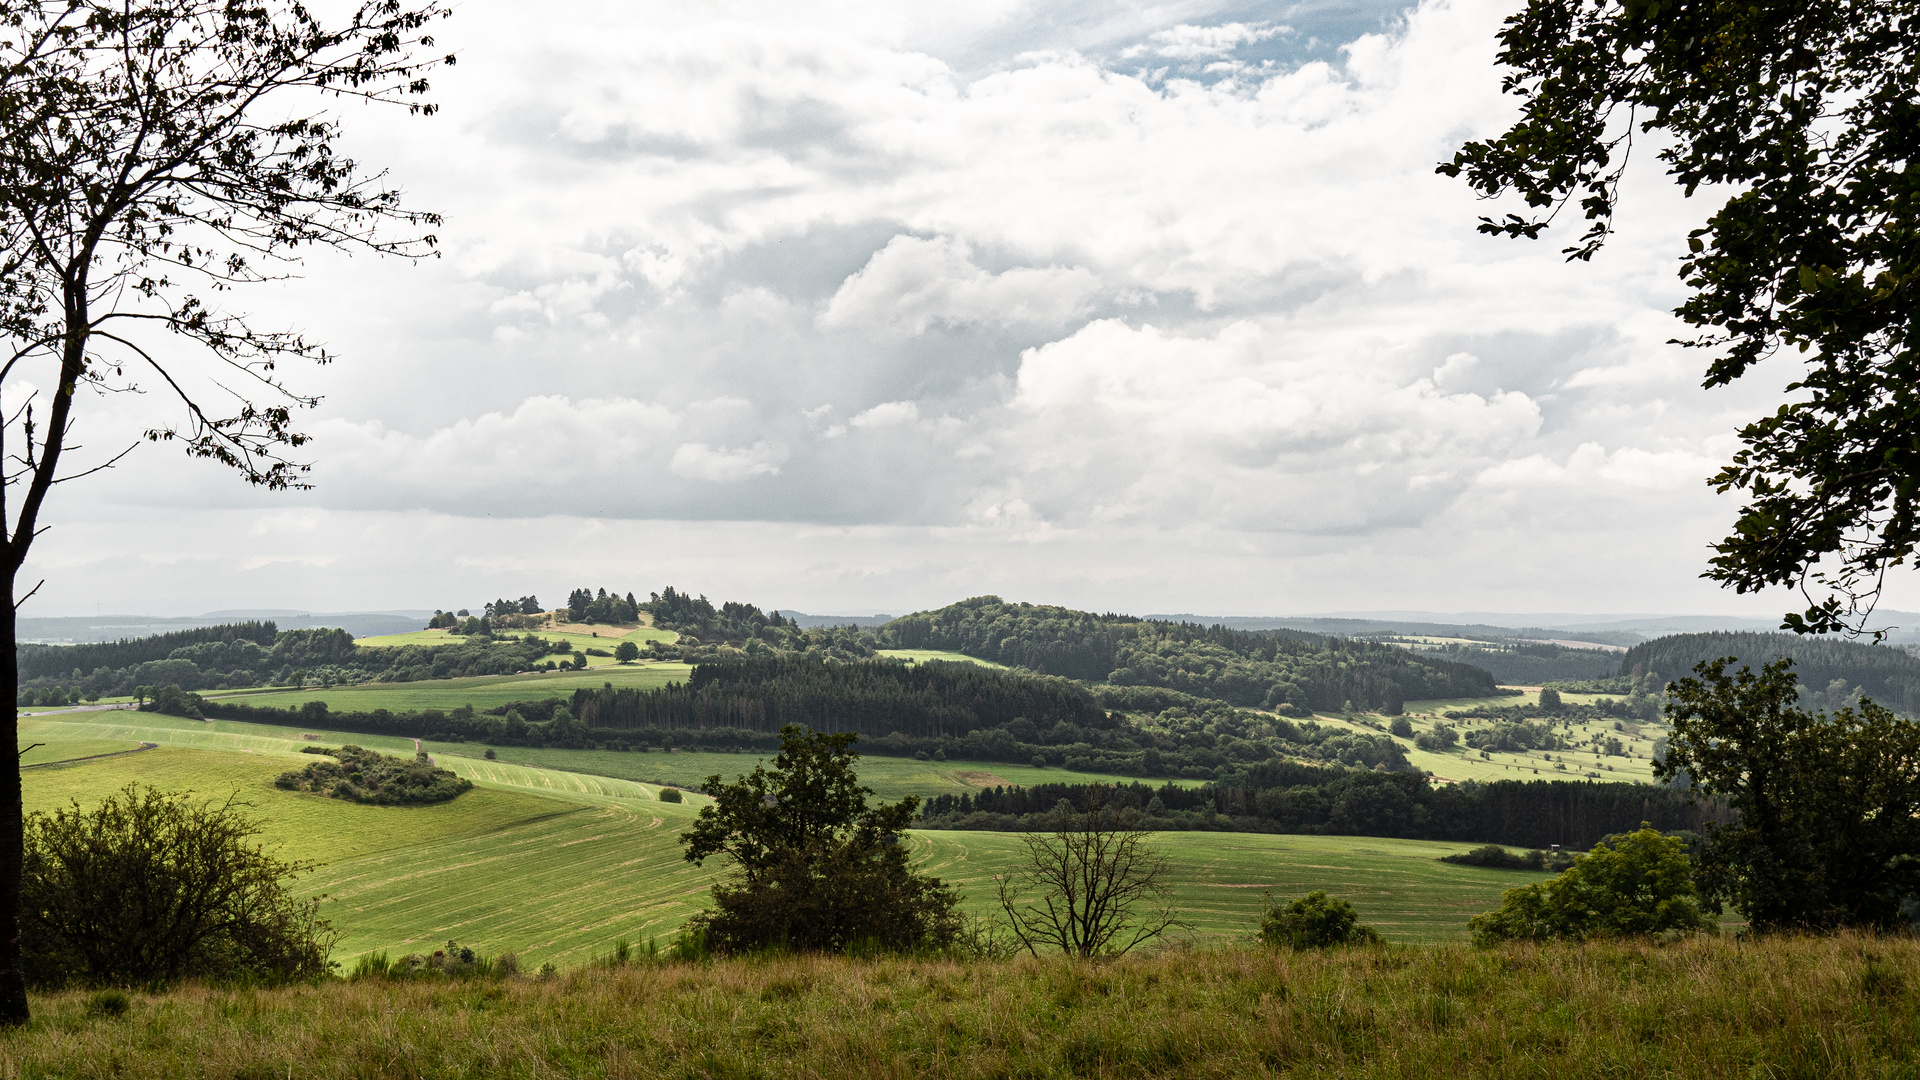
pixel 253 654
pixel 1287 797
pixel 63 661
pixel 1526 663
pixel 1832 673
pixel 975 712
pixel 1285 670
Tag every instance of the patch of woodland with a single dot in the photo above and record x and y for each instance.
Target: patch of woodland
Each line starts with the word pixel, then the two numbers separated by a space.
pixel 357 774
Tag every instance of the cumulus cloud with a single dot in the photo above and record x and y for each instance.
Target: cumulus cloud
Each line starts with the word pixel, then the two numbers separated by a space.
pixel 1185 42
pixel 719 465
pixel 913 283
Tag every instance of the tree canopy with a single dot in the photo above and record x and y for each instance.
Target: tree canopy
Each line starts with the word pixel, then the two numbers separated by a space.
pixel 1827 833
pixel 1805 116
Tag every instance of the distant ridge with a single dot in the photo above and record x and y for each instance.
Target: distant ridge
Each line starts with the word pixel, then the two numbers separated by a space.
pixel 77 630
pixel 807 622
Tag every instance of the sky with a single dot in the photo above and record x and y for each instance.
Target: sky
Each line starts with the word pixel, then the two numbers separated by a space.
pixel 862 307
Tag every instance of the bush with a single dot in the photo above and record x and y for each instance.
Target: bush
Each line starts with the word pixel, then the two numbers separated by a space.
pixel 366 776
pixel 1402 727
pixel 1639 884
pixel 150 887
pixel 670 794
pixel 1499 858
pixel 1315 921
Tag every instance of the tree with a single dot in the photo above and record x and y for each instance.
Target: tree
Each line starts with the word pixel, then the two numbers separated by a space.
pixel 1550 699
pixel 626 652
pixel 1636 885
pixel 817 868
pixel 1315 921
pixel 1097 888
pixel 1804 114
pixel 1826 833
pixel 150 887
pixel 152 156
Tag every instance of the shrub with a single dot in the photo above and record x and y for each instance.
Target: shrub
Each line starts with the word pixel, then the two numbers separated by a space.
pixel 670 794
pixel 150 887
pixel 366 776
pixel 1632 885
pixel 1499 858
pixel 1315 921
pixel 1402 727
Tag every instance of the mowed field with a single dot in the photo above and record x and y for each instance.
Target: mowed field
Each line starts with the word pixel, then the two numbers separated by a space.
pixel 482 692
pixel 581 636
pixel 557 865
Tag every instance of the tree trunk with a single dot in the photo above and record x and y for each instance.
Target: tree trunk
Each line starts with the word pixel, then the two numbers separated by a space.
pixel 13 986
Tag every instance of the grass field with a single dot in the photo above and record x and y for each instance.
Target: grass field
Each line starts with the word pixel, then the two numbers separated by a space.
pixel 1828 1007
pixel 580 635
pixel 483 692
pixel 915 656
pixel 556 865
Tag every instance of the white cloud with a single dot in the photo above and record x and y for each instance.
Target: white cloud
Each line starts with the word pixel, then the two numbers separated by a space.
pixel 887 414
pixel 912 283
pixel 1185 42
pixel 719 465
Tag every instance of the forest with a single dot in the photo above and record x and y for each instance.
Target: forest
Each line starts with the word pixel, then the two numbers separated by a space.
pixel 1289 797
pixel 1289 671
pixel 1833 673
pixel 934 710
pixel 256 654
pixel 1516 662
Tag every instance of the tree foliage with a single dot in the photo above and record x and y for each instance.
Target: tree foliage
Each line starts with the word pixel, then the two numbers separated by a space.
pixel 817 868
pixel 1828 833
pixel 1314 921
pixel 149 887
pixel 1887 675
pixel 1287 670
pixel 1636 885
pixel 1805 115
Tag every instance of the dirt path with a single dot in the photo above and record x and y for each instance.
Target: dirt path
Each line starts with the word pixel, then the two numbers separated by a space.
pixel 91 757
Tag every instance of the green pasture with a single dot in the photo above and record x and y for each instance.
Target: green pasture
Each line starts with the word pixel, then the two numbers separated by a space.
pixel 556 864
pixel 890 778
pixel 1461 763
pixel 915 656
pixel 481 692
pixel 579 635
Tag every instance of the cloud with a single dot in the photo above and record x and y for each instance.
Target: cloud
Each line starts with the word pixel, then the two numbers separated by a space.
pixel 912 283
pixel 1185 42
pixel 719 465
pixel 887 414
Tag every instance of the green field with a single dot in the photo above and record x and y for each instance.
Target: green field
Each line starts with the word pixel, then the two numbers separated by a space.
pixel 890 777
pixel 915 656
pixel 482 692
pixel 580 636
pixel 556 864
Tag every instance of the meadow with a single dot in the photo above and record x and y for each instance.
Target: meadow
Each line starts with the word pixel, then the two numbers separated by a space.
pixel 555 865
pixel 581 636
pixel 1830 1007
pixel 481 692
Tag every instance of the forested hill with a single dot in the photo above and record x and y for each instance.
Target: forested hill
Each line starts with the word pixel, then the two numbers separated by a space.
pixel 1832 672
pixel 1274 669
pixel 60 661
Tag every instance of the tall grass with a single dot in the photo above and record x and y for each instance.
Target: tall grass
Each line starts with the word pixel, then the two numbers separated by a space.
pixel 1815 1007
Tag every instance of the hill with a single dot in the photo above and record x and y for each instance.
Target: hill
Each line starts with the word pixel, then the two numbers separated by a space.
pixel 1832 673
pixel 1286 670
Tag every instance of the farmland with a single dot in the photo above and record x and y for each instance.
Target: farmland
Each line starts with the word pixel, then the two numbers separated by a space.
pixel 482 692
pixel 555 865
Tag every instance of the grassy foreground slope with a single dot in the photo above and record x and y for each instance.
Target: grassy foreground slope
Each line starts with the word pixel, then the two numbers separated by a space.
pixel 1787 1007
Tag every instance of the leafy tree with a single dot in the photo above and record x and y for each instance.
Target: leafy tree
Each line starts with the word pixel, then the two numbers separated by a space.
pixel 1315 921
pixel 1550 699
pixel 150 887
pixel 1827 833
pixel 152 156
pixel 817 867
pixel 1803 113
pixel 1089 886
pixel 626 652
pixel 1639 884
pixel 1402 727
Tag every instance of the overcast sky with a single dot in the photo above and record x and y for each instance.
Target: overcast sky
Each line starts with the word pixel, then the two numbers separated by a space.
pixel 867 307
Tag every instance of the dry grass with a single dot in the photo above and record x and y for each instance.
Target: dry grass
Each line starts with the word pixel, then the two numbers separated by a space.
pixel 1834 1007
